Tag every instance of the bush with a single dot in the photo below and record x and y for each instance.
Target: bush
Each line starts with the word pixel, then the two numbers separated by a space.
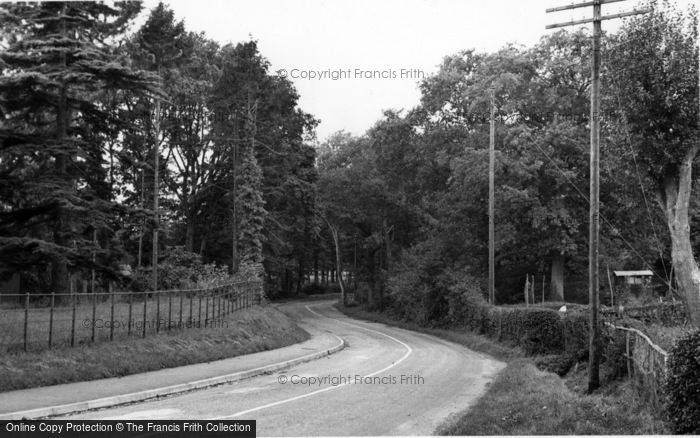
pixel 575 334
pixel 465 300
pixel 415 290
pixel 313 289
pixel 559 364
pixel 536 330
pixel 615 354
pixel 180 269
pixel 683 384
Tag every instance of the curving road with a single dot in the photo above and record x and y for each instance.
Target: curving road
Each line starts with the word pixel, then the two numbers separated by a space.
pixel 387 381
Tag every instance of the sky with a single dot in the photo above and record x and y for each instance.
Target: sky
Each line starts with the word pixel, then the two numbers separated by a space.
pixel 351 59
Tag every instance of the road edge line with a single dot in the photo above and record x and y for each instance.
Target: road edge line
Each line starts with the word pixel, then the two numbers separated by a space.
pixel 112 401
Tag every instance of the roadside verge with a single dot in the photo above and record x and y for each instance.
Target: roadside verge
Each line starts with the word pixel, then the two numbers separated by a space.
pixel 61 399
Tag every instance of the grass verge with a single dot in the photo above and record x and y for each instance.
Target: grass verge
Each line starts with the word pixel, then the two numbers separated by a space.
pixel 524 400
pixel 249 331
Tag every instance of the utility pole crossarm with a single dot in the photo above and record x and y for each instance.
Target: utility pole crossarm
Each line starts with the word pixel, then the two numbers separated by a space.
pixel 581 5
pixel 591 20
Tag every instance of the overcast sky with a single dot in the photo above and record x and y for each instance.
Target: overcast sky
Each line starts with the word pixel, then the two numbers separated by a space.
pixel 346 38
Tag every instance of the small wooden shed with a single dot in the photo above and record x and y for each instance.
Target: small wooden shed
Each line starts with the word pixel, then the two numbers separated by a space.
pixel 633 277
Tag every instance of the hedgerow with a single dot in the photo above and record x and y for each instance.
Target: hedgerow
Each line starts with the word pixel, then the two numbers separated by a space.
pixel 682 386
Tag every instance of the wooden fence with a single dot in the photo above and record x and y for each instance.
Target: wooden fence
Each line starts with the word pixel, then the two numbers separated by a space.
pixel 646 362
pixel 36 322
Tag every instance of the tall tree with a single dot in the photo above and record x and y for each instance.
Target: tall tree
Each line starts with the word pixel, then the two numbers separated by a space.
pixel 160 46
pixel 654 68
pixel 58 61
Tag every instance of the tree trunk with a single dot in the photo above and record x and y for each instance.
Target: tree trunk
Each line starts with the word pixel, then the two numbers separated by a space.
pixel 338 262
pixel 143 222
pixel 316 267
pixel 674 198
pixel 300 277
pixel 557 279
pixel 234 212
pixel 189 235
pixel 203 245
pixel 59 266
pixel 156 192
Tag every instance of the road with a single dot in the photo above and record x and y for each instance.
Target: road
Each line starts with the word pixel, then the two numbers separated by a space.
pixel 387 381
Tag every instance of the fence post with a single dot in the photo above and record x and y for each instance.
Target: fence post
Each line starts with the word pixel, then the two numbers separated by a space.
pixel 170 309
pixel 26 318
pixel 72 329
pixel 94 315
pixel 199 312
pixel 527 290
pixel 206 311
pixel 180 321
pixel 145 300
pixel 53 300
pixel 131 299
pixel 111 312
pixel 629 358
pixel 219 299
pixel 157 311
pixel 191 299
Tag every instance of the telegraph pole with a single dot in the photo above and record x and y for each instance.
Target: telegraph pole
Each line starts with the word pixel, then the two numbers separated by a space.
pixel 492 157
pixel 594 208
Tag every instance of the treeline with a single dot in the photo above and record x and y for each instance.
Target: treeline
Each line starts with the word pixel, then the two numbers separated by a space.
pixel 121 151
pixel 409 198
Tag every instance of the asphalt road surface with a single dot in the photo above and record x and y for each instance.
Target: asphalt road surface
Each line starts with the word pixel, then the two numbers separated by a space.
pixel 387 381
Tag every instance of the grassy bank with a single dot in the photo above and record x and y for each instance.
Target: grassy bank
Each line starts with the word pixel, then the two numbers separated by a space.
pixel 248 331
pixel 524 400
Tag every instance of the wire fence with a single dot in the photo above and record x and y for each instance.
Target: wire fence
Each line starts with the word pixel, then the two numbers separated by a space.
pixel 646 362
pixel 32 322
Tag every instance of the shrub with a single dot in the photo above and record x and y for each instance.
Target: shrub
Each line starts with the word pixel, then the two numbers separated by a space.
pixel 575 334
pixel 313 289
pixel 180 269
pixel 465 300
pixel 559 364
pixel 536 330
pixel 683 384
pixel 615 354
pixel 415 290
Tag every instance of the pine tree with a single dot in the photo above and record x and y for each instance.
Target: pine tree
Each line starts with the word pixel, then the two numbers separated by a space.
pixel 58 62
pixel 159 47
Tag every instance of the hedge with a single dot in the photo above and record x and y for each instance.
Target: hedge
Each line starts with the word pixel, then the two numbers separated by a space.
pixel 535 330
pixel 683 384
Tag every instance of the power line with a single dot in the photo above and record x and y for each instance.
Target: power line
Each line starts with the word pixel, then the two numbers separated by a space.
pixel 594 210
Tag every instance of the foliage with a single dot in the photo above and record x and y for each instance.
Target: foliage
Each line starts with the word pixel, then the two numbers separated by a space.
pixel 559 364
pixel 523 400
pixel 78 147
pixel 180 269
pixel 537 331
pixel 55 193
pixel 683 384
